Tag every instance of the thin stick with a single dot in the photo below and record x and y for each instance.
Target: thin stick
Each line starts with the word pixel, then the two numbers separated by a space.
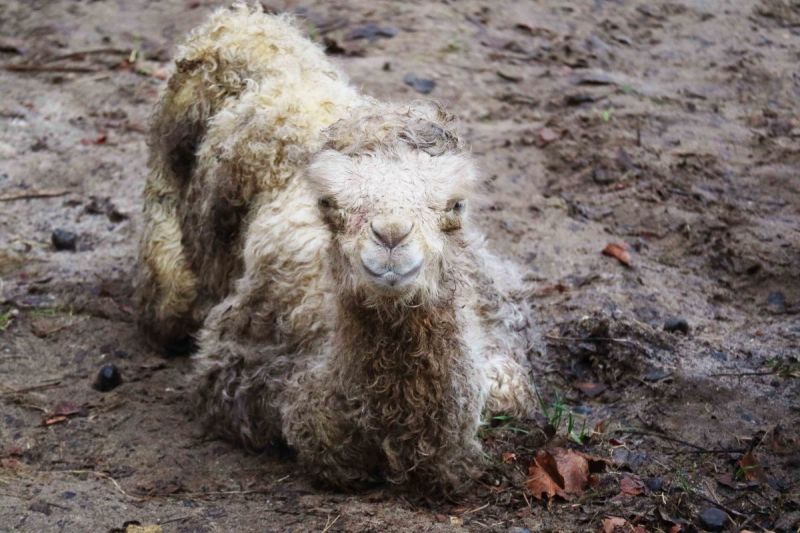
pixel 95 51
pixel 23 390
pixel 719 450
pixel 25 195
pixel 329 524
pixel 737 374
pixel 22 67
pixel 591 339
pixel 103 475
pixel 475 510
pixel 661 436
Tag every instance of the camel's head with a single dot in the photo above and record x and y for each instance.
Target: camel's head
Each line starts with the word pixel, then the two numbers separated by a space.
pixel 393 185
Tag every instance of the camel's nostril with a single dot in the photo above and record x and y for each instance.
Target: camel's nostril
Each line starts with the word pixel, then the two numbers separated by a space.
pixel 391 231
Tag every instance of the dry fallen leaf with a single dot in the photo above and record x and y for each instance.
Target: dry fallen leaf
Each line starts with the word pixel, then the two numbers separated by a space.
pixel 619 252
pixel 547 135
pixel 509 457
pixel 750 468
pixel 615 524
pixel 631 486
pixel 55 420
pixel 560 472
pixel 67 409
pixel 590 388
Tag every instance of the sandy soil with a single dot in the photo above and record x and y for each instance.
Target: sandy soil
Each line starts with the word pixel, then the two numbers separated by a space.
pixel 671 127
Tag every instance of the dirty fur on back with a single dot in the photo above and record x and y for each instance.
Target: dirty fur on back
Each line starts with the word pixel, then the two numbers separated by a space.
pixel 316 245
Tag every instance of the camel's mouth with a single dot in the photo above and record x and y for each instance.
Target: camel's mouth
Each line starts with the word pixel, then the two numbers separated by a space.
pixel 392 278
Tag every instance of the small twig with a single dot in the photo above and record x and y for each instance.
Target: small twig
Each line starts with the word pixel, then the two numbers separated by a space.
pixel 95 51
pixel 718 450
pixel 718 504
pixel 103 475
pixel 661 436
pixel 591 339
pixel 42 193
pixel 475 510
pixel 10 391
pixel 329 523
pixel 737 374
pixel 176 519
pixel 22 67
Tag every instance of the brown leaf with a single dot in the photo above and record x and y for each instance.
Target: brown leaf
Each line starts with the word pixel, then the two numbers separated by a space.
pixel 509 457
pixel 600 426
pixel 611 523
pixel 590 389
pixel 560 472
pixel 751 470
pixel 100 139
pixel 67 408
pixel 615 524
pixel 55 420
pixel 547 135
pixel 631 486
pixel 619 252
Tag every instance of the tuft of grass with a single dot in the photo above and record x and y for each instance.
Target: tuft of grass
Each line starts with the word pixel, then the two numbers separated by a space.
pixel 6 318
pixel 506 423
pixel 558 413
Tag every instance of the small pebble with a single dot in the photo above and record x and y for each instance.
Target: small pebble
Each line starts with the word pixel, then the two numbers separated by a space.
pixel 712 519
pixel 108 378
pixel 601 176
pixel 64 240
pixel 676 324
pixel 421 85
pixel 719 356
pixel 654 484
pixel 777 301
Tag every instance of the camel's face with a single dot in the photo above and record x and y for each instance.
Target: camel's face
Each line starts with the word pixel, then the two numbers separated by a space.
pixel 397 220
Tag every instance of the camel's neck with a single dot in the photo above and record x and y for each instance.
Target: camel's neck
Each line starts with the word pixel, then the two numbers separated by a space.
pixel 413 343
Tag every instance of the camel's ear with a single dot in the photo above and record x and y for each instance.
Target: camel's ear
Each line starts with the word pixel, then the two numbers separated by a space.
pixel 329 173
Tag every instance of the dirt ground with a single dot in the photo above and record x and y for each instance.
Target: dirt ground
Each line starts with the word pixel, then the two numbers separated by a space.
pixel 670 128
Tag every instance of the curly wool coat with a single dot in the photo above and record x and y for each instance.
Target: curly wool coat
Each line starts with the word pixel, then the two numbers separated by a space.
pixel 236 256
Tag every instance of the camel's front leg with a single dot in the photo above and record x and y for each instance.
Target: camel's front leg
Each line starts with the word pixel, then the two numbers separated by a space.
pixel 322 429
pixel 510 388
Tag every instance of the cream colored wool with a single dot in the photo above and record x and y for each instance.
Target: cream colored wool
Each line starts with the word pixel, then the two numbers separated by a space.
pixel 318 245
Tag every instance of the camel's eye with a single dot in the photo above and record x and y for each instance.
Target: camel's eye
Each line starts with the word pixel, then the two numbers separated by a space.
pixel 326 203
pixel 451 219
pixel 457 206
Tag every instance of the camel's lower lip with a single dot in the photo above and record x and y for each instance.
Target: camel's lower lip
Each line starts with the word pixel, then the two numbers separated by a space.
pixel 391 277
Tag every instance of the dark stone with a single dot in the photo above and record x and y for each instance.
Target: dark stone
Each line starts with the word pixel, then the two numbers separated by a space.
pixel 654 484
pixel 108 378
pixel 777 301
pixel 64 240
pixel 656 374
pixel 577 99
pixel 719 356
pixel 421 85
pixel 602 177
pixel 372 32
pixel 68 494
pixel 40 507
pixel 676 324
pixel 713 519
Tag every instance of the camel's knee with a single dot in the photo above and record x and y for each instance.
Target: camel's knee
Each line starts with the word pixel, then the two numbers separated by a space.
pixel 166 287
pixel 510 389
